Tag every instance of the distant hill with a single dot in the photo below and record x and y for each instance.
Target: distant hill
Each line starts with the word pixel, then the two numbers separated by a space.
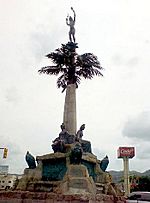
pixel 146 173
pixel 118 175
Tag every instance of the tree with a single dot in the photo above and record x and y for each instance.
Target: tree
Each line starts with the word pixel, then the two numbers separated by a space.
pixel 140 183
pixel 72 68
pixel 144 183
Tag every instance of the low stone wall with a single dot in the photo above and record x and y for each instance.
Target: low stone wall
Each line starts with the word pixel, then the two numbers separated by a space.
pixel 44 197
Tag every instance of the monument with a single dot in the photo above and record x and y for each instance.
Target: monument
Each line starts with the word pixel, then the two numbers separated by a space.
pixel 72 170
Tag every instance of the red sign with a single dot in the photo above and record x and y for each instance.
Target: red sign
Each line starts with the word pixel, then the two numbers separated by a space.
pixel 126 152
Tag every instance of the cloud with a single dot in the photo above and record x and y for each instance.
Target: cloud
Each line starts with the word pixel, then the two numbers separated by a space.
pixel 120 60
pixel 12 95
pixel 40 43
pixel 100 153
pixel 133 61
pixel 138 127
pixel 15 157
pixel 117 60
pixel 143 151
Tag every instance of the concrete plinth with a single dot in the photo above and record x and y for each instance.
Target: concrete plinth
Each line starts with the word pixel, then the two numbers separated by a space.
pixel 78 181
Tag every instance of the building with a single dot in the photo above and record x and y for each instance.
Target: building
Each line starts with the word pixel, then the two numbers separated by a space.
pixel 4 169
pixel 8 181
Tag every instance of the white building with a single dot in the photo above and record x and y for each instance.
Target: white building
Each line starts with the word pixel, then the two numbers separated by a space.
pixel 8 181
pixel 4 169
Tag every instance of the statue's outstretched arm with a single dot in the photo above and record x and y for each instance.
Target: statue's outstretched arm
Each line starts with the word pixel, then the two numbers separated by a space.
pixel 67 21
pixel 74 13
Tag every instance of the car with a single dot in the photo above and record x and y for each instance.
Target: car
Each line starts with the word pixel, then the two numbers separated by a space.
pixel 139 197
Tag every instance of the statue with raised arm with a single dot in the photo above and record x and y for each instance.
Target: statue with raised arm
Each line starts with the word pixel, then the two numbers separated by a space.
pixel 71 22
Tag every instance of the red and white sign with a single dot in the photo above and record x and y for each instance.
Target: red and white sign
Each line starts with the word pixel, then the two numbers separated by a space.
pixel 126 152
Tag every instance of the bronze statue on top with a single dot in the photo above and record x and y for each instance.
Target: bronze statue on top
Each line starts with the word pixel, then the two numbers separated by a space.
pixel 71 22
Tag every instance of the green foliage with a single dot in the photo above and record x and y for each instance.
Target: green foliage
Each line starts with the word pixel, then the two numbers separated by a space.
pixel 72 66
pixel 141 184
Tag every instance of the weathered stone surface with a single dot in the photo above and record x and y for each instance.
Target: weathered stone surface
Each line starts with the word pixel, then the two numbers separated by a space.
pixel 56 155
pixel 78 181
pixel 29 176
pixel 89 157
pixel 55 174
pixel 77 171
pixel 36 197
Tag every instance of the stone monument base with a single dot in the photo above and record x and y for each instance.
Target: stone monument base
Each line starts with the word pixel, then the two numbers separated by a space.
pixel 78 181
pixel 45 197
pixel 56 174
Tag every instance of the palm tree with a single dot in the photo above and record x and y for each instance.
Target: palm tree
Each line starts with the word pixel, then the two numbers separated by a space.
pixel 72 67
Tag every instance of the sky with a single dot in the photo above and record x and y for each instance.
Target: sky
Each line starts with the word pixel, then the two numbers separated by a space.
pixel 115 108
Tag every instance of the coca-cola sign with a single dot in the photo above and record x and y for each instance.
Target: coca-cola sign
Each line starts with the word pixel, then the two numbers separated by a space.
pixel 126 152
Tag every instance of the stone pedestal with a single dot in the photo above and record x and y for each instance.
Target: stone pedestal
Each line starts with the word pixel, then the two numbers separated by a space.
pixel 56 174
pixel 78 181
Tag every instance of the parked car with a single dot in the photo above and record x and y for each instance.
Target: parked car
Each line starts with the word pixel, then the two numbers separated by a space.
pixel 139 197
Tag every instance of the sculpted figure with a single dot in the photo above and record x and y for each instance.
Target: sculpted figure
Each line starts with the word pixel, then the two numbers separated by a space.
pixel 76 154
pixel 65 136
pixel 104 163
pixel 71 22
pixel 63 132
pixel 86 145
pixel 79 134
pixel 58 145
pixel 30 160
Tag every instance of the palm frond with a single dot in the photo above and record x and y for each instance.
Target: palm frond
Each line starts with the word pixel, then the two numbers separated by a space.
pixel 63 56
pixel 71 65
pixel 62 82
pixel 57 57
pixel 88 66
pixel 77 79
pixel 51 70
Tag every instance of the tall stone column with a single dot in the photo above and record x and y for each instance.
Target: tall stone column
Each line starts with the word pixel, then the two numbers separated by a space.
pixel 69 118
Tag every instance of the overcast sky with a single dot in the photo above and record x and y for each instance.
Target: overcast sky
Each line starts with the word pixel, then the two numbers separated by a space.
pixel 115 108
